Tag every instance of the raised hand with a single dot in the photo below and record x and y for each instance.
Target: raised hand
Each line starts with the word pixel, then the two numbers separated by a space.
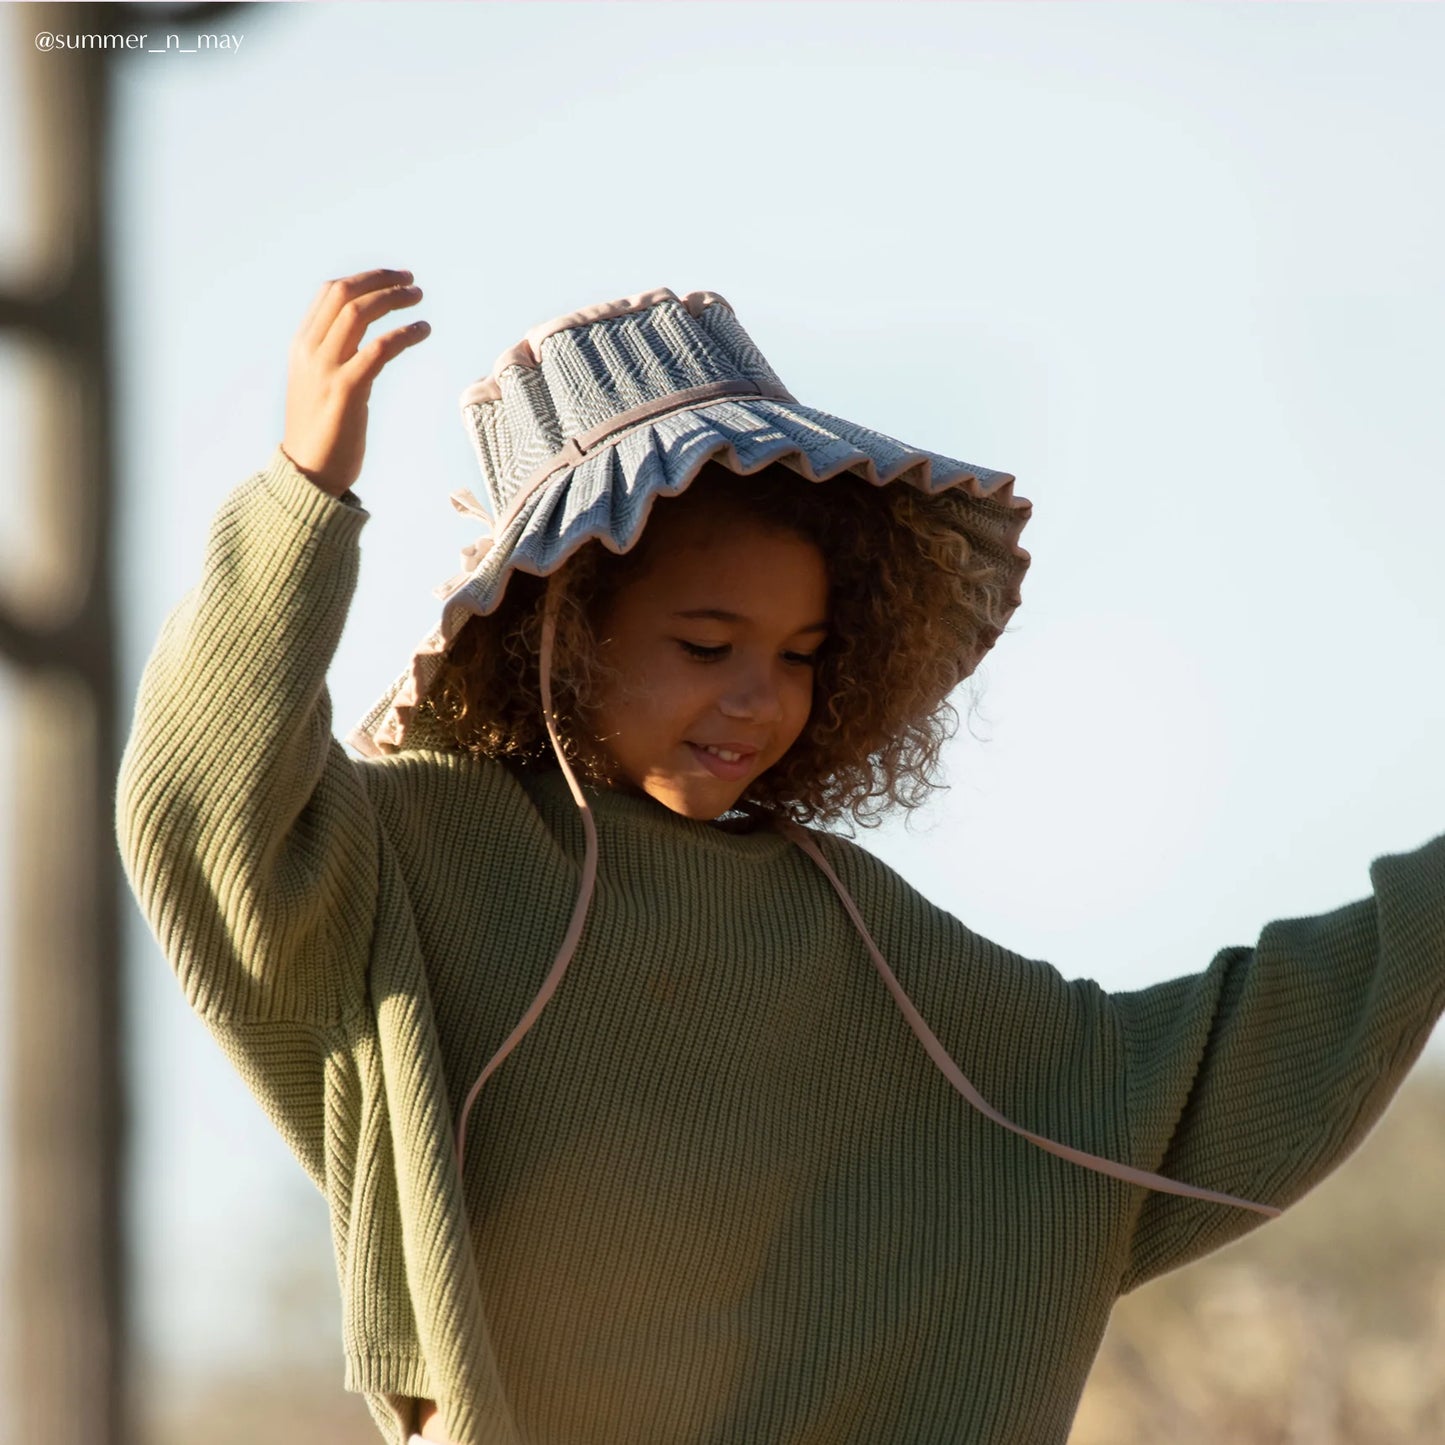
pixel 329 381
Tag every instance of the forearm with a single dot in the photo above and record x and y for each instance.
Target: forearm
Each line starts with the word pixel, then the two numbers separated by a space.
pixel 1262 1074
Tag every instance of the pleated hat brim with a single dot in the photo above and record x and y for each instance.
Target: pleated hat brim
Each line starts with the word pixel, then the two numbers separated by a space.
pixel 609 495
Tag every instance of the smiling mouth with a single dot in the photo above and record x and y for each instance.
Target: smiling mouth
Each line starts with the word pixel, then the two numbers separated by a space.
pixel 732 767
pixel 728 755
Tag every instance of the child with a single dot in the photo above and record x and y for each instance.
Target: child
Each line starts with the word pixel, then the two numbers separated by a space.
pixel 720 1195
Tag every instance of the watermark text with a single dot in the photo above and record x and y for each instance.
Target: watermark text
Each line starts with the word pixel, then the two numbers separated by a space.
pixel 171 43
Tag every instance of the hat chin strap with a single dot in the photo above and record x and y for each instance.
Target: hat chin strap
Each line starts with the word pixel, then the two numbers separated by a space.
pixel 916 1022
pixel 589 874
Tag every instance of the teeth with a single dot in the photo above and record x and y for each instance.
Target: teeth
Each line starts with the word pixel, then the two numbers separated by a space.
pixel 724 754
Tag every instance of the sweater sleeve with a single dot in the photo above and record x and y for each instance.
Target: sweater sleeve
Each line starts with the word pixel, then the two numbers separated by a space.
pixel 245 830
pixel 1262 1074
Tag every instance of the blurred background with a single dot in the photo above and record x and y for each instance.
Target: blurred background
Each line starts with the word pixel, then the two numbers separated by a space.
pixel 1175 266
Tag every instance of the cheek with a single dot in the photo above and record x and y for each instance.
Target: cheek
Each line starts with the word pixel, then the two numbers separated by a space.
pixel 658 692
pixel 685 692
pixel 801 698
pixel 635 678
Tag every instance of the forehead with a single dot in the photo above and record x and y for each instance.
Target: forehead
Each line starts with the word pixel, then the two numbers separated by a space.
pixel 724 541
pixel 707 559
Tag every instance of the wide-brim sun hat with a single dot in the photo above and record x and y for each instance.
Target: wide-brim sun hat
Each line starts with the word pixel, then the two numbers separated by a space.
pixel 593 416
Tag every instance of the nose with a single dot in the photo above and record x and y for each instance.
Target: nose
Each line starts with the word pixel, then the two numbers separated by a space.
pixel 753 694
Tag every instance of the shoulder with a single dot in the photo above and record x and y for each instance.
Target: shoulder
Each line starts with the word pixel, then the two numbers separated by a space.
pixel 859 868
pixel 429 793
pixel 888 902
pixel 940 944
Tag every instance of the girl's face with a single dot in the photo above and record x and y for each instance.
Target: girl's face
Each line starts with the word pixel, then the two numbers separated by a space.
pixel 714 644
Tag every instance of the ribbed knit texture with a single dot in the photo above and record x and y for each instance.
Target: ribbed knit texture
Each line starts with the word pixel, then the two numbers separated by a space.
pixel 718 1195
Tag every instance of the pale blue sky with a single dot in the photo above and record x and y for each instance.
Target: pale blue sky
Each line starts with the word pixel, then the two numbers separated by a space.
pixel 1175 266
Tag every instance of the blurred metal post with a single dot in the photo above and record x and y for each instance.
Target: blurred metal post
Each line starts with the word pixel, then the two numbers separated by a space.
pixel 67 1124
pixel 67 1129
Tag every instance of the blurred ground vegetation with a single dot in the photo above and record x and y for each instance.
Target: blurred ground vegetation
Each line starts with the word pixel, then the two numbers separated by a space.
pixel 1324 1327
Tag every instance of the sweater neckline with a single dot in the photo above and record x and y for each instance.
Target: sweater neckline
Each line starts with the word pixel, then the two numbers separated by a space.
pixel 640 812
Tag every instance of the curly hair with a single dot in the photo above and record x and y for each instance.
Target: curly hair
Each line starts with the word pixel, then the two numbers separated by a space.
pixel 910 596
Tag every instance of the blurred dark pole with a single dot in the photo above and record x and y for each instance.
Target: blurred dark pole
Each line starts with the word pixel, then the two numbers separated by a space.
pixel 68 1123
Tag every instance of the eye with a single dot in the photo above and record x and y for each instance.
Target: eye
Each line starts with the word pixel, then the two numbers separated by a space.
pixel 715 654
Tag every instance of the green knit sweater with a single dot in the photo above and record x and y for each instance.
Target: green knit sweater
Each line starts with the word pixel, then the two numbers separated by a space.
pixel 718 1195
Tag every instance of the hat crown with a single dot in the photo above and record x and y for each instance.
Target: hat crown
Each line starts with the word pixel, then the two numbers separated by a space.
pixel 575 377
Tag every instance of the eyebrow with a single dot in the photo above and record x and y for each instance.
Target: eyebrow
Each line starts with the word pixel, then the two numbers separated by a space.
pixel 719 615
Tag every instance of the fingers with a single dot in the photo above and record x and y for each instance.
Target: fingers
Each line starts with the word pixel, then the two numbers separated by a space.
pixel 335 295
pixel 363 368
pixel 348 331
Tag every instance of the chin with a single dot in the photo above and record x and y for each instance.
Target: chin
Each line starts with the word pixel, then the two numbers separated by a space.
pixel 702 805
